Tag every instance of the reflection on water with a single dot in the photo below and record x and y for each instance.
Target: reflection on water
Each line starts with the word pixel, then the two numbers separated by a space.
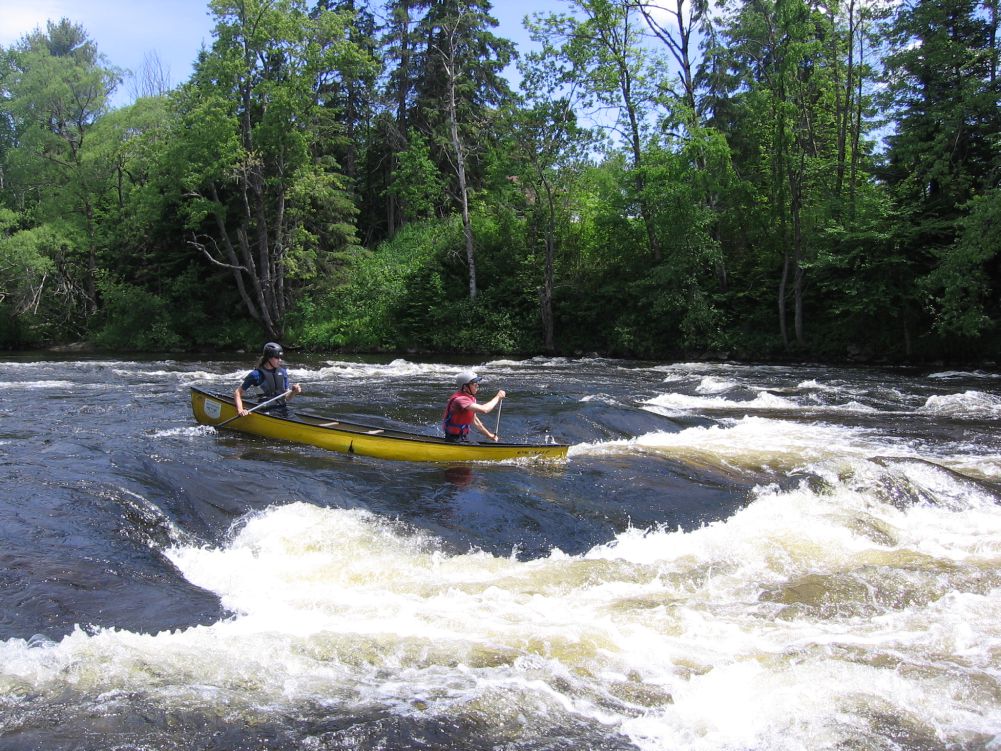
pixel 732 557
pixel 460 476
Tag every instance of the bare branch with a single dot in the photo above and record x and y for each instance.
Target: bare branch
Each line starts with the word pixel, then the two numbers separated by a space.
pixel 193 242
pixel 152 78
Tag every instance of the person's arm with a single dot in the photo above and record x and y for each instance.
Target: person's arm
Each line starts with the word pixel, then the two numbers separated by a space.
pixel 483 428
pixel 295 387
pixel 251 380
pixel 488 406
pixel 238 400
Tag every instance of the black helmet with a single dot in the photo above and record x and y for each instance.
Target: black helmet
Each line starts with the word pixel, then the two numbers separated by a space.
pixel 273 349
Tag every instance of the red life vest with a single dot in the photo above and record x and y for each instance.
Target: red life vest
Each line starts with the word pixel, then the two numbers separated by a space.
pixel 456 421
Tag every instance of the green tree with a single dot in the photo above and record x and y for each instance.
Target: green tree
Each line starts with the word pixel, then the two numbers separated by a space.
pixel 57 87
pixel 401 45
pixel 461 78
pixel 416 182
pixel 783 137
pixel 548 150
pixel 962 288
pixel 26 266
pixel 601 42
pixel 944 92
pixel 263 197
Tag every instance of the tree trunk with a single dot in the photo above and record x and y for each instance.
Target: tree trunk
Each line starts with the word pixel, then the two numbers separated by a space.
pixel 458 153
pixel 782 299
pixel 796 198
pixel 993 22
pixel 637 147
pixel 91 260
pixel 460 169
pixel 546 293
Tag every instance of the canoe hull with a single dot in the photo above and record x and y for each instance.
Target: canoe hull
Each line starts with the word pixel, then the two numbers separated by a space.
pixel 364 440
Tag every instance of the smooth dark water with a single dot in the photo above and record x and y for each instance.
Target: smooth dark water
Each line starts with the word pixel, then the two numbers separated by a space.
pixel 731 557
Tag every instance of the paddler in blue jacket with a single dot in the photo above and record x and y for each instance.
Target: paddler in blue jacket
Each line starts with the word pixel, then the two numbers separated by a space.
pixel 271 377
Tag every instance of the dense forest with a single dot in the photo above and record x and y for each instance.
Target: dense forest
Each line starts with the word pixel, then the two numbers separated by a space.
pixel 747 178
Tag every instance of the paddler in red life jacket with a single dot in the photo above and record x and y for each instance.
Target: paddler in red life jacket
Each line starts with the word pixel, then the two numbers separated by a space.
pixel 271 378
pixel 463 410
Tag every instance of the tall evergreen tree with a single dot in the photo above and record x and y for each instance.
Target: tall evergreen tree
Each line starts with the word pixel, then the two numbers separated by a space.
pixel 942 79
pixel 458 33
pixel 782 131
pixel 943 92
pixel 461 81
pixel 348 91
pixel 401 48
pixel 944 95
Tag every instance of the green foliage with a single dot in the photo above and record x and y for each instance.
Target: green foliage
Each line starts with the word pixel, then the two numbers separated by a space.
pixel 374 309
pixel 261 194
pixel 133 319
pixel 409 295
pixel 37 286
pixel 963 293
pixel 57 87
pixel 416 182
pixel 746 214
pixel 866 287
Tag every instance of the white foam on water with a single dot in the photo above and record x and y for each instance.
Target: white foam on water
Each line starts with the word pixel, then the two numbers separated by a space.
pixel 61 364
pixel 714 385
pixel 799 622
pixel 602 399
pixel 34 385
pixel 681 403
pixel 398 368
pixel 186 432
pixel 753 443
pixel 674 404
pixel 543 362
pixel 694 367
pixel 970 404
pixel 184 376
pixel 760 444
pixel 954 374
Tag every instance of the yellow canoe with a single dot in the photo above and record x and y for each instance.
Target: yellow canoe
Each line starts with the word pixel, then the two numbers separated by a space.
pixel 365 440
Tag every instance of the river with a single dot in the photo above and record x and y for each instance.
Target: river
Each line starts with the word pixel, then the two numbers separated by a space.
pixel 732 556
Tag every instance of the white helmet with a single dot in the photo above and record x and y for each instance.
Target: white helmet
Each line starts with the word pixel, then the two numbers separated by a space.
pixel 466 377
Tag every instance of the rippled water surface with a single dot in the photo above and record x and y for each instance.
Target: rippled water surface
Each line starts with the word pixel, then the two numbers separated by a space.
pixel 732 557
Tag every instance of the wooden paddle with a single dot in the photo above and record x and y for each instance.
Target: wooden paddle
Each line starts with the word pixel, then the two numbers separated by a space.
pixel 262 404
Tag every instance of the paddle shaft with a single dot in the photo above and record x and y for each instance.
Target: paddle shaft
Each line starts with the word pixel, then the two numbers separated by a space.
pixel 497 426
pixel 262 404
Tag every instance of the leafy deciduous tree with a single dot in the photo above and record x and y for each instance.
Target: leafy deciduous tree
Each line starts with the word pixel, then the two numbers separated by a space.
pixel 251 142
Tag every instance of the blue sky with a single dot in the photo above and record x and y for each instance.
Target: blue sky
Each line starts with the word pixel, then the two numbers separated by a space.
pixel 126 31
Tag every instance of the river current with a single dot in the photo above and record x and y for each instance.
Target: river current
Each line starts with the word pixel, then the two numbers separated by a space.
pixel 731 557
